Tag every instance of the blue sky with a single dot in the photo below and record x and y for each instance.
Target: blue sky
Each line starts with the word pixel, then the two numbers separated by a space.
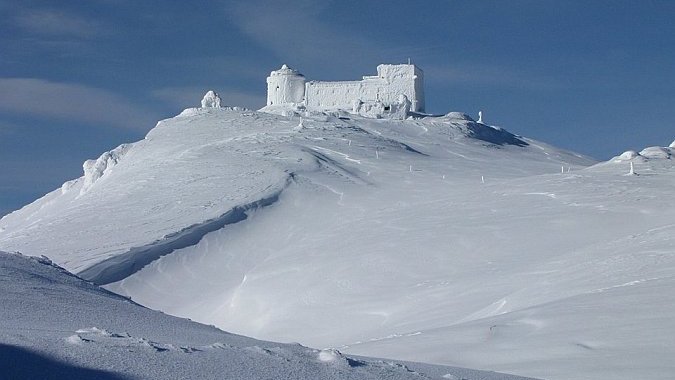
pixel 78 78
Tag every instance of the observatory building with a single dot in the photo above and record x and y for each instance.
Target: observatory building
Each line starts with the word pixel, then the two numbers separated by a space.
pixel 395 87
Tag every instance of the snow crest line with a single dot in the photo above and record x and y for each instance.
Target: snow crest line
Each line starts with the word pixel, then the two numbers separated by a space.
pixel 124 265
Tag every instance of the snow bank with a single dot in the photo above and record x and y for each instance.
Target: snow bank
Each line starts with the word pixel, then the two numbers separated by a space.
pixel 330 355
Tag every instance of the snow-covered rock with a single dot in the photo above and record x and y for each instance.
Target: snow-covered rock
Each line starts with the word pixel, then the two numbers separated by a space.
pixel 211 100
pixel 458 116
pixel 628 155
pixel 656 152
pixel 672 144
pixel 95 169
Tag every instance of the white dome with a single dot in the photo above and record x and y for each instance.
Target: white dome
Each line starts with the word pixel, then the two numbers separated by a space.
pixel 285 70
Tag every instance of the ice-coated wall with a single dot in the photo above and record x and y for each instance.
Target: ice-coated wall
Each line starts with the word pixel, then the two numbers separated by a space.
pixel 384 90
pixel 395 80
pixel 285 87
pixel 386 87
pixel 332 95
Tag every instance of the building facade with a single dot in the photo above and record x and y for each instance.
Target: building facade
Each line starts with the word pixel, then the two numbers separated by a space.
pixel 387 89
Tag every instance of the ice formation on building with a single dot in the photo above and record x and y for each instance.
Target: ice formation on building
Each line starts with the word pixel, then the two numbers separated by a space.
pixel 395 90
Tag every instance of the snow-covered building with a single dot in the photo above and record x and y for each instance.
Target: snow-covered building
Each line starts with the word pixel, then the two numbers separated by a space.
pixel 285 86
pixel 395 88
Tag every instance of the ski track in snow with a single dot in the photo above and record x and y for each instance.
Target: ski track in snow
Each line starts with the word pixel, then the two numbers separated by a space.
pixel 343 155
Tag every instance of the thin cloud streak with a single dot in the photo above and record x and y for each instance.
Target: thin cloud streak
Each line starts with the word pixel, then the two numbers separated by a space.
pixel 228 65
pixel 299 32
pixel 72 102
pixel 489 75
pixel 48 22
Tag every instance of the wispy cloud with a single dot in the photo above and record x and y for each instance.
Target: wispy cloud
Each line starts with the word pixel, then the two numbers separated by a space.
pixel 299 31
pixel 490 75
pixel 184 97
pixel 72 102
pixel 57 23
pixel 228 65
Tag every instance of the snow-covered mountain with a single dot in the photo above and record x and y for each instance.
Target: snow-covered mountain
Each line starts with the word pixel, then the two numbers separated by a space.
pixel 434 239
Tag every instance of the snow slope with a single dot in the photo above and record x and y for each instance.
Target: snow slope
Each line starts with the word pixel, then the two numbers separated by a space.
pixel 53 325
pixel 437 239
pixel 198 167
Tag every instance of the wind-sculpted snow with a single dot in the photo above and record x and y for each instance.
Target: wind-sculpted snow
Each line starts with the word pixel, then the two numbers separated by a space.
pixel 480 131
pixel 124 265
pixel 54 325
pixel 95 169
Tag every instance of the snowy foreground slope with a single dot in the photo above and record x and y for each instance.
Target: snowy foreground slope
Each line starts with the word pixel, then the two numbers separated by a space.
pixel 436 240
pixel 53 325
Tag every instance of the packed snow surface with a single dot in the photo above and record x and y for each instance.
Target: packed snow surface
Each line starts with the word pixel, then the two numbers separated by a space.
pixel 53 325
pixel 435 239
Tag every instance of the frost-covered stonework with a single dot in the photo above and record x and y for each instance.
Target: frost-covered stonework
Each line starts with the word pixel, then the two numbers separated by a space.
pixel 395 91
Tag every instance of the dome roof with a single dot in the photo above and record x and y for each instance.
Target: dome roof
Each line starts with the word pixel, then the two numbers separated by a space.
pixel 285 70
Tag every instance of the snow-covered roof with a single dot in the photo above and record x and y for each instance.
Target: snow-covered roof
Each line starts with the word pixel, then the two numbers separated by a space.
pixel 285 70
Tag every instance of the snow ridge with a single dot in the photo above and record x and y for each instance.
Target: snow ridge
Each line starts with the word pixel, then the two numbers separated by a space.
pixel 124 265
